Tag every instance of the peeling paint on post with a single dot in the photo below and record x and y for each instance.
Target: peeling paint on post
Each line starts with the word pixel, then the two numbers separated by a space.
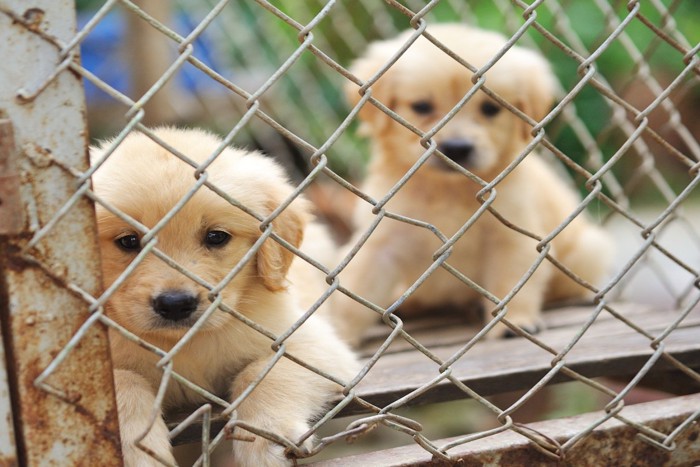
pixel 11 214
pixel 44 287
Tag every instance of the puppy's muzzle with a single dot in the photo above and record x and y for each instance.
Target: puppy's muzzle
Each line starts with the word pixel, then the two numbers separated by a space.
pixel 175 305
pixel 460 151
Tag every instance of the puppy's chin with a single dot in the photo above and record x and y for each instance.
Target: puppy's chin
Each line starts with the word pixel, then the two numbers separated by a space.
pixel 161 324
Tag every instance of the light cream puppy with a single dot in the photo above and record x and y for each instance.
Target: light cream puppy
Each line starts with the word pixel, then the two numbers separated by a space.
pixel 209 237
pixel 484 138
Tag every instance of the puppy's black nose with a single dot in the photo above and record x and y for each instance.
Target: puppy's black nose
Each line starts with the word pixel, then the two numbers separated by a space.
pixel 459 150
pixel 175 304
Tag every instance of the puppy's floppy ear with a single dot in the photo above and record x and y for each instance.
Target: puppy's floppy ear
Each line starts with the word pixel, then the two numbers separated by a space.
pixel 273 260
pixel 372 119
pixel 537 86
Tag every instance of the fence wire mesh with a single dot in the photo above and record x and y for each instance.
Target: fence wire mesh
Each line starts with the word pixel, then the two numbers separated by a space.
pixel 270 75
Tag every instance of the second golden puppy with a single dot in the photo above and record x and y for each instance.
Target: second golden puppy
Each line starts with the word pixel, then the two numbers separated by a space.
pixel 423 86
pixel 206 235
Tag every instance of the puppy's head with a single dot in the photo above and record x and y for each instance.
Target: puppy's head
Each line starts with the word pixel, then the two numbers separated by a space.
pixel 207 236
pixel 425 84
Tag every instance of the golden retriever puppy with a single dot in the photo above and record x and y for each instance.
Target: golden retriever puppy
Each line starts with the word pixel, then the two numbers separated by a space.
pixel 209 237
pixel 423 86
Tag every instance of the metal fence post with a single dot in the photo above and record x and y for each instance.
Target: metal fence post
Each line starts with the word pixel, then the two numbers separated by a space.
pixel 49 263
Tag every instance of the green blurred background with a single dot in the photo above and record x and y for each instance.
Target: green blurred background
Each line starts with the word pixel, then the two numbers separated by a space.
pixel 247 43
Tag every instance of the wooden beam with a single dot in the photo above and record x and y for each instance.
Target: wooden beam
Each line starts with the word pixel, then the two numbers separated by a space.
pixel 612 443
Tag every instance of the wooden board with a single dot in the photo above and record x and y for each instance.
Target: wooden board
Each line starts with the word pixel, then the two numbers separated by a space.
pixel 608 348
pixel 612 443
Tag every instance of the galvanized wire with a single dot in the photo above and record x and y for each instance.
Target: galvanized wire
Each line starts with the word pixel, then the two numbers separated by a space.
pixel 598 169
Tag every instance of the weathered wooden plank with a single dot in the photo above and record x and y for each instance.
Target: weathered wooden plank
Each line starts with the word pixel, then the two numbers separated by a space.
pixel 612 443
pixel 609 348
pixel 448 327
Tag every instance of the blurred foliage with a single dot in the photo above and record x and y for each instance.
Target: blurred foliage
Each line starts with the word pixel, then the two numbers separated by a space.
pixel 308 99
pixel 85 5
pixel 582 25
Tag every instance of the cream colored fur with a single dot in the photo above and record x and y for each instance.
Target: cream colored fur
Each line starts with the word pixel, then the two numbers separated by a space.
pixel 225 356
pixel 532 197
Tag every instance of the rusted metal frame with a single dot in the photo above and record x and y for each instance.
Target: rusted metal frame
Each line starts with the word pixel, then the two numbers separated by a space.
pixel 11 223
pixel 49 288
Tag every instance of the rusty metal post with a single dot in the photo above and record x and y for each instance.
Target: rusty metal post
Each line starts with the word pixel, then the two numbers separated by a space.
pixel 49 263
pixel 8 452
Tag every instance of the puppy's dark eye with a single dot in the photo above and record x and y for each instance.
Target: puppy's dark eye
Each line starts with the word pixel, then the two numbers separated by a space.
pixel 490 109
pixel 128 242
pixel 216 238
pixel 423 107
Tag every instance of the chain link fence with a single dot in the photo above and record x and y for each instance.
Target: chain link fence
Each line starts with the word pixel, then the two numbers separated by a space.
pixel 270 75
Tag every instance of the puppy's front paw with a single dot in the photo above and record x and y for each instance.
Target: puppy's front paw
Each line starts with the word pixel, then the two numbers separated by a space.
pixel 156 441
pixel 135 401
pixel 135 456
pixel 252 450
